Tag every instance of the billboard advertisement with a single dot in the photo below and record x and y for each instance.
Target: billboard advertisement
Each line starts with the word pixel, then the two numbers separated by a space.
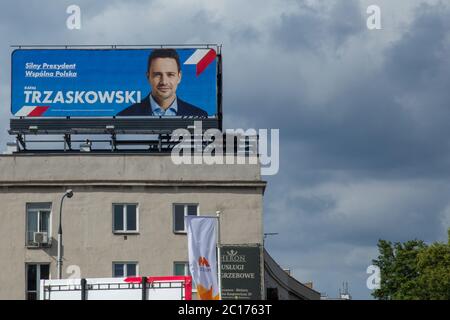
pixel 160 82
pixel 241 272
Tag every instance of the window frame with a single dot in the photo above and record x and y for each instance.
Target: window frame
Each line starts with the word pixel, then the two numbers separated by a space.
pixel 38 277
pixel 124 263
pixel 124 217
pixel 187 272
pixel 39 208
pixel 185 205
pixel 186 268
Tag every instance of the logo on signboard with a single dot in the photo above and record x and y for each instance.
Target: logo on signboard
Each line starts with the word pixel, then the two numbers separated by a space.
pixel 233 256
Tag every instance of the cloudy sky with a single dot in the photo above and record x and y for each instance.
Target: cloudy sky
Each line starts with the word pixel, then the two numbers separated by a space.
pixel 363 114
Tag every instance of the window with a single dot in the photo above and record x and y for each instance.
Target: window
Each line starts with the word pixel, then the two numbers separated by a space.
pixel 125 269
pixel 179 212
pixel 38 220
pixel 182 269
pixel 34 274
pixel 125 218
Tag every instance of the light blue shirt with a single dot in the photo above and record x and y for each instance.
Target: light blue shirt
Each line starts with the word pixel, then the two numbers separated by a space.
pixel 158 111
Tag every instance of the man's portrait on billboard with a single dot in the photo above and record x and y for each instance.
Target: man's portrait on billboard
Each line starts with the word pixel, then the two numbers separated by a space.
pixel 164 75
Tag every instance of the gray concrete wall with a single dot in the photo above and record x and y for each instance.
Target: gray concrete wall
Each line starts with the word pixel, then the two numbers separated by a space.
pixel 100 181
pixel 114 167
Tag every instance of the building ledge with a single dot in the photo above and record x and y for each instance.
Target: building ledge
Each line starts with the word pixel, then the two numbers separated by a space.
pixel 135 183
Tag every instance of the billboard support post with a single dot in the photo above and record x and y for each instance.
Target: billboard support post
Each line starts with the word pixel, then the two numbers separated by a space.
pixel 21 140
pixel 67 142
pixel 144 288
pixel 83 283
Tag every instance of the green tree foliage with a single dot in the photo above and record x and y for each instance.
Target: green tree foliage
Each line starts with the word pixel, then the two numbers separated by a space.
pixel 413 270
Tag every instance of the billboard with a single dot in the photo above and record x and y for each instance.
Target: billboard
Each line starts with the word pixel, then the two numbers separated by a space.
pixel 114 82
pixel 241 272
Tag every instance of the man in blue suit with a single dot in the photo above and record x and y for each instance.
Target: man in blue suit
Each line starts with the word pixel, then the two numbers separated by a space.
pixel 164 76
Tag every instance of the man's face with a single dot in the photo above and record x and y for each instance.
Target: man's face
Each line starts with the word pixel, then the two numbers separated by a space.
pixel 164 78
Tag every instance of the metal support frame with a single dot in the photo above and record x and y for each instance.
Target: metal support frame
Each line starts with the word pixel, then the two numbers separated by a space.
pixel 113 142
pixel 67 142
pixel 144 288
pixel 83 289
pixel 144 125
pixel 247 146
pixel 21 140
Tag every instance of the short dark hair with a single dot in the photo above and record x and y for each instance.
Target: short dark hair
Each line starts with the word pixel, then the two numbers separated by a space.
pixel 163 53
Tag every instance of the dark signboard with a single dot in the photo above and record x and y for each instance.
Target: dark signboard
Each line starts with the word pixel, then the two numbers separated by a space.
pixel 241 272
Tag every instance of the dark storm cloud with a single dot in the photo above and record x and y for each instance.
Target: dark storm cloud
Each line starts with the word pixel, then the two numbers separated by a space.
pixel 314 27
pixel 361 213
pixel 415 61
pixel 36 22
pixel 375 136
pixel 389 126
pixel 368 125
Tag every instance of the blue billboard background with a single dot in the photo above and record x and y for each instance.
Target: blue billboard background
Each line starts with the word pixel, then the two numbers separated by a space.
pixel 97 82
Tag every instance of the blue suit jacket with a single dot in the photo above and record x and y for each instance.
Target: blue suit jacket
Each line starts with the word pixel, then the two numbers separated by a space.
pixel 143 108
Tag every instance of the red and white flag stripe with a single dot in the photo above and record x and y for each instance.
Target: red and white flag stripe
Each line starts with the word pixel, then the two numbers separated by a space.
pixel 31 111
pixel 201 58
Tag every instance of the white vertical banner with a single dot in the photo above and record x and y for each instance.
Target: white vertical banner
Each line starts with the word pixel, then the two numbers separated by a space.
pixel 202 240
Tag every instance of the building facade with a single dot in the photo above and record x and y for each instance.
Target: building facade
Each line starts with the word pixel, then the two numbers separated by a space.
pixel 126 216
